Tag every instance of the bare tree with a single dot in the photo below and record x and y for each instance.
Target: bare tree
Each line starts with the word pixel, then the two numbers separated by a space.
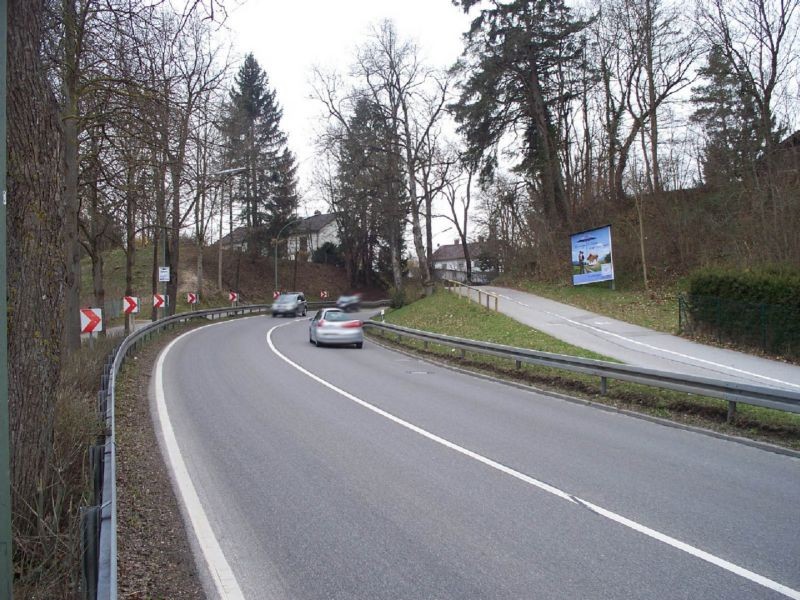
pixel 413 97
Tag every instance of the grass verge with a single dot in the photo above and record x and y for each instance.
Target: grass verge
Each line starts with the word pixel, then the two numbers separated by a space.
pixel 447 314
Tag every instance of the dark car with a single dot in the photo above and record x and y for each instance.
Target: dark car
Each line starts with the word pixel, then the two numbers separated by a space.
pixel 290 304
pixel 349 303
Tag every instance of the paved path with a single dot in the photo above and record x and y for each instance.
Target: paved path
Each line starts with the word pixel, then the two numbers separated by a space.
pixel 640 346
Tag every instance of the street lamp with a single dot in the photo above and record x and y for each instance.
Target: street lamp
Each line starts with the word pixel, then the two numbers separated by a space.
pixel 277 239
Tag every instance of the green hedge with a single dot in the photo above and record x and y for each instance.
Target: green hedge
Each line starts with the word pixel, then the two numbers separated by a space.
pixel 754 308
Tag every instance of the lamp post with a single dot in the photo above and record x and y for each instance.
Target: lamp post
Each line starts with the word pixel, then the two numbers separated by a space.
pixel 232 171
pixel 277 240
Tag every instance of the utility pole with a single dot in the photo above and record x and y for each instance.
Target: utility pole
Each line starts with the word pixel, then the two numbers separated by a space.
pixel 5 474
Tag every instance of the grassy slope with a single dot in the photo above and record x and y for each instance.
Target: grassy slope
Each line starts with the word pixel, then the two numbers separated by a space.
pixel 255 278
pixel 445 313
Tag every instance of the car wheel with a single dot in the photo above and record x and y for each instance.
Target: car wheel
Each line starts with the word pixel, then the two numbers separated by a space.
pixel 310 339
pixel 360 345
pixel 274 315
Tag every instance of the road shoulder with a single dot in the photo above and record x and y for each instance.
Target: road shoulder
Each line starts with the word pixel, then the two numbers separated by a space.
pixel 155 556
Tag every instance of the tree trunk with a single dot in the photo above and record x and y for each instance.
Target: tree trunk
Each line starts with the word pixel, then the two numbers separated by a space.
pixel 174 238
pixel 35 267
pixel 130 240
pixel 416 227
pixel 72 250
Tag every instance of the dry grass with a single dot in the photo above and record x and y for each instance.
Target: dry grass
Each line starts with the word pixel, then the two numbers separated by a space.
pixel 46 531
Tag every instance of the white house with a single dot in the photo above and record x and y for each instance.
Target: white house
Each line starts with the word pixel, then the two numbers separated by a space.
pixel 312 233
pixel 449 262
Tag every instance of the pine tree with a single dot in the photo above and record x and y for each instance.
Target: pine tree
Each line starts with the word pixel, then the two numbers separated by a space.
pixel 267 190
pixel 514 55
pixel 729 118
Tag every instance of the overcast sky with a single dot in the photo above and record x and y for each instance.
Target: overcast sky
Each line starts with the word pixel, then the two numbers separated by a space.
pixel 289 38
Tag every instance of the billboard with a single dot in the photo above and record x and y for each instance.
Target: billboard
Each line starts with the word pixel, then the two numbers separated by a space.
pixel 591 256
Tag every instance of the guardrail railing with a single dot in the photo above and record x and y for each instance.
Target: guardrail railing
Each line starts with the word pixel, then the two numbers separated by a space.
pixel 730 391
pixel 99 521
pixel 466 291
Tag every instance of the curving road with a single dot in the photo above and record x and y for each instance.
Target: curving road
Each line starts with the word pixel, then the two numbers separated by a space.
pixel 341 473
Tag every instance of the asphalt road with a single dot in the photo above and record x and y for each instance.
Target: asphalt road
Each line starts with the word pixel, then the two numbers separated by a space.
pixel 341 473
pixel 640 346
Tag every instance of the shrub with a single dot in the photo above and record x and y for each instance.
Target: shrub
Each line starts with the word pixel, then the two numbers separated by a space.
pixel 752 307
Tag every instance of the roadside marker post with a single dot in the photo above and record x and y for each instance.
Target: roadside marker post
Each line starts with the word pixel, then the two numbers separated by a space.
pixel 131 307
pixel 160 300
pixel 91 322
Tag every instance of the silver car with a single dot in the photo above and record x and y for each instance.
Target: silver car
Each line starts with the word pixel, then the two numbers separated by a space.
pixel 290 303
pixel 334 326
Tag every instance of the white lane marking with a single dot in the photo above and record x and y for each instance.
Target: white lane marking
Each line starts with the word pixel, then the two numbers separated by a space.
pixel 651 347
pixel 221 572
pixel 652 533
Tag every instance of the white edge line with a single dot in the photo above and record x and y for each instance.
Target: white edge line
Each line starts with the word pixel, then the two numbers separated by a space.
pixel 652 533
pixel 651 347
pixel 221 573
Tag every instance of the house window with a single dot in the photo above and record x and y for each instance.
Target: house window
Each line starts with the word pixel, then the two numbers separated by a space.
pixel 303 244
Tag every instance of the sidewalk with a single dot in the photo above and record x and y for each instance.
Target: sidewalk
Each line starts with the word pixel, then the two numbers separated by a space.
pixel 642 347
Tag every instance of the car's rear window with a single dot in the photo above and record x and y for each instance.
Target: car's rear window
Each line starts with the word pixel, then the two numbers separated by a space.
pixel 286 298
pixel 338 316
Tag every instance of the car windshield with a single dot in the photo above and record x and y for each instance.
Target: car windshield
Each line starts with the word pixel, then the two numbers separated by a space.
pixel 287 299
pixel 336 315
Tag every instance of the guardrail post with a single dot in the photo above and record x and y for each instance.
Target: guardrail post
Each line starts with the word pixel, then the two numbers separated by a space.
pixel 731 411
pixel 90 532
pixel 518 364
pixel 603 386
pixel 463 353
pixel 425 344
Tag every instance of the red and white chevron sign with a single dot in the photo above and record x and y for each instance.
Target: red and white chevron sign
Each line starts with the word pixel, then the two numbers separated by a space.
pixel 91 320
pixel 159 300
pixel 233 296
pixel 191 298
pixel 323 294
pixel 275 294
pixel 131 304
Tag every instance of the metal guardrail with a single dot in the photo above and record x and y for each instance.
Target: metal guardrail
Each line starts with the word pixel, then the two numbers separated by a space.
pixel 730 391
pixel 99 522
pixel 451 285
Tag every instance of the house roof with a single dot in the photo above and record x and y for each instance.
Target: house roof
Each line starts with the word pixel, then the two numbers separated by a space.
pixel 313 223
pixel 239 235
pixel 456 251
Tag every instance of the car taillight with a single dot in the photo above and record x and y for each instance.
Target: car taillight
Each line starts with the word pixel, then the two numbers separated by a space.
pixel 353 324
pixel 321 322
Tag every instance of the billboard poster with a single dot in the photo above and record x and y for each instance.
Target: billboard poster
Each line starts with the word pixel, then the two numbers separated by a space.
pixel 591 256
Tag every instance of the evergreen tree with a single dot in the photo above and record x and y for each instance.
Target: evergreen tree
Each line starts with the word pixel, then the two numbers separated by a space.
pixel 727 112
pixel 372 201
pixel 267 190
pixel 516 51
